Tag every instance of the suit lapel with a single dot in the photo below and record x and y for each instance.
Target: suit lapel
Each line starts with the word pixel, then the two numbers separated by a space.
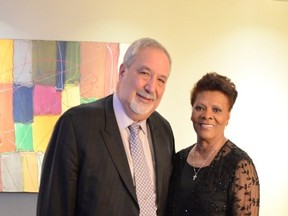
pixel 115 147
pixel 156 140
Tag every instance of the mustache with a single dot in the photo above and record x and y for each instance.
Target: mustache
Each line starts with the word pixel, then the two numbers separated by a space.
pixel 145 94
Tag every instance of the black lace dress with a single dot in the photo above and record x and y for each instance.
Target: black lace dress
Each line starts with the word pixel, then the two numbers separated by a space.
pixel 229 186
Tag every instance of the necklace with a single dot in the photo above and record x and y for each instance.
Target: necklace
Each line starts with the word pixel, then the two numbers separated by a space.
pixel 203 164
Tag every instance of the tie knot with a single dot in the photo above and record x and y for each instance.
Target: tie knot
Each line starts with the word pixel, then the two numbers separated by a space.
pixel 134 128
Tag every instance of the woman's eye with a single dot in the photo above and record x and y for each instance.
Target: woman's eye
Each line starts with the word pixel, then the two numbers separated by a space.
pixel 217 110
pixel 199 108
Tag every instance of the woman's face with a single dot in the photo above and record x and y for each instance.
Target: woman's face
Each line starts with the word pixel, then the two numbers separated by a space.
pixel 210 115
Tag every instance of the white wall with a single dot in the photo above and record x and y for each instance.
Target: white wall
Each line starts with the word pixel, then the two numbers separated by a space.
pixel 243 39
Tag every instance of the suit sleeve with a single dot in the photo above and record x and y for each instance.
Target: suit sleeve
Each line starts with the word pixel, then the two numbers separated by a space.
pixel 58 186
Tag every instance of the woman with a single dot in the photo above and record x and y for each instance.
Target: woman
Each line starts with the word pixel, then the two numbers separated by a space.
pixel 213 176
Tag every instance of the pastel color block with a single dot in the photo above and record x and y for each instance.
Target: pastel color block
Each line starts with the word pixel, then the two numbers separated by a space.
pixel 1 183
pixel 87 100
pixel 11 168
pixel 22 63
pixel 42 130
pixel 60 64
pixel 122 50
pixel 111 69
pixel 70 96
pixel 23 137
pixel 92 69
pixel 6 61
pixel 30 171
pixel 47 100
pixel 40 157
pixel 23 104
pixel 44 62
pixel 72 63
pixel 7 138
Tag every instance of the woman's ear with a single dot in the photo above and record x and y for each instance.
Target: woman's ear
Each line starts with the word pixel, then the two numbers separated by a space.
pixel 228 119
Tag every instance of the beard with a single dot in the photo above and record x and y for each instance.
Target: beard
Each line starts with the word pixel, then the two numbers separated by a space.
pixel 142 108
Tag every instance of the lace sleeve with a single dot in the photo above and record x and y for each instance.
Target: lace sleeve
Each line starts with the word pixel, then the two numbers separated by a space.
pixel 246 190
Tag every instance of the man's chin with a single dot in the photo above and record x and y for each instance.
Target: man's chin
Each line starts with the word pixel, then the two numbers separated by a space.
pixel 140 110
pixel 140 116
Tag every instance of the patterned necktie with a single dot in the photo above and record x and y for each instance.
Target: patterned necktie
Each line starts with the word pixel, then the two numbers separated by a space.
pixel 144 188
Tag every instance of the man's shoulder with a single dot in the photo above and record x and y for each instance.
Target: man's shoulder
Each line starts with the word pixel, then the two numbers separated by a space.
pixel 156 116
pixel 90 105
pixel 96 107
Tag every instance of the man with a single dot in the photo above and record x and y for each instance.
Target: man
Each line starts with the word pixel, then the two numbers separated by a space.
pixel 88 169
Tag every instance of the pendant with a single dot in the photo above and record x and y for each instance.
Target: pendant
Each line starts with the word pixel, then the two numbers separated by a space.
pixel 194 177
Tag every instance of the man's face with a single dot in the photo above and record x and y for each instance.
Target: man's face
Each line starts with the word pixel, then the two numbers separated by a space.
pixel 141 86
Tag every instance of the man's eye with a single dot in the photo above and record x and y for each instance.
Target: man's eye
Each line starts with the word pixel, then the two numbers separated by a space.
pixel 144 73
pixel 162 81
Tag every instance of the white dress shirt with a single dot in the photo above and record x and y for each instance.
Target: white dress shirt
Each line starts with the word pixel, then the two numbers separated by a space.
pixel 123 122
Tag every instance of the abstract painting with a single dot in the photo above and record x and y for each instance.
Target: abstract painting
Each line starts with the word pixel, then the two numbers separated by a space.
pixel 39 81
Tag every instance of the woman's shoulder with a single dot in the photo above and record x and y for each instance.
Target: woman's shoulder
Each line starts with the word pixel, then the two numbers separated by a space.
pixel 183 153
pixel 236 152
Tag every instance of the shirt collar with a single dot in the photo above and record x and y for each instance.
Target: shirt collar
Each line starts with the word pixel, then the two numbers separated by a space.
pixel 122 118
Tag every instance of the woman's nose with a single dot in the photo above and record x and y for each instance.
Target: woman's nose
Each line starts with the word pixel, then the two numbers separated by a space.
pixel 207 114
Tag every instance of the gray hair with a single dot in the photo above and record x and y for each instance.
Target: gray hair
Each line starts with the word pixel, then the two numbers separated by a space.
pixel 139 44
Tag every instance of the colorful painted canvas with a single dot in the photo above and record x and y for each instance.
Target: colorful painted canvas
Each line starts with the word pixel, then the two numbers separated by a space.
pixel 40 80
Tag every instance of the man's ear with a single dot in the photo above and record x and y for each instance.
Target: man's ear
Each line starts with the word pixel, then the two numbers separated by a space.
pixel 122 69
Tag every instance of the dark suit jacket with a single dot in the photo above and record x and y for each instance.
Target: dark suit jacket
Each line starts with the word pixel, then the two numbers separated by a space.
pixel 85 170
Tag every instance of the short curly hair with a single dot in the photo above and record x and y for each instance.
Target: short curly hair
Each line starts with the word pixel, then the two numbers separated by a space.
pixel 215 82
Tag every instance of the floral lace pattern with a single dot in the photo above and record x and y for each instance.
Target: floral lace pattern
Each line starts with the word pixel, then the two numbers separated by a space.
pixel 229 186
pixel 246 189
